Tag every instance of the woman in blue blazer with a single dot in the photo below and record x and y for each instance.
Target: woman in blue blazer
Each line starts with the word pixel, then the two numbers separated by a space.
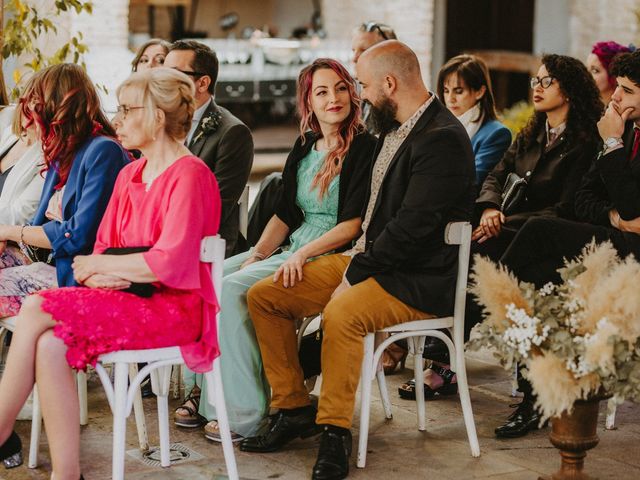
pixel 82 161
pixel 464 86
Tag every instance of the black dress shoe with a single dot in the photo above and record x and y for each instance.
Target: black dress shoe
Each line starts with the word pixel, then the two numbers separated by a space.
pixel 11 451
pixel 333 455
pixel 285 426
pixel 436 350
pixel 524 420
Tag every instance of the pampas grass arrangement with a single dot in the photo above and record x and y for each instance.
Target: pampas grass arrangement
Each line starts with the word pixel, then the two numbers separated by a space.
pixel 575 339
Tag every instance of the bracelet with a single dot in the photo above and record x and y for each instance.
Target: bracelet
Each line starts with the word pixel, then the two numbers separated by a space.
pixel 258 255
pixel 22 233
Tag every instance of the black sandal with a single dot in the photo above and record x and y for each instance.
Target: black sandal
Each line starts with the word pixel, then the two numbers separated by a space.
pixel 408 390
pixel 191 404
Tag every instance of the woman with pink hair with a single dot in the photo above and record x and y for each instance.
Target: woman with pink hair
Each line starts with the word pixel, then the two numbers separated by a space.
pixel 325 180
pixel 598 63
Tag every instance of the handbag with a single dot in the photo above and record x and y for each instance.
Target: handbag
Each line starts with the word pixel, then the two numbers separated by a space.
pixel 309 354
pixel 513 192
pixel 140 289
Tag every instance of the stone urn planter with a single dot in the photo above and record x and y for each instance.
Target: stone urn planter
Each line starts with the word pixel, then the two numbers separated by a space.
pixel 573 434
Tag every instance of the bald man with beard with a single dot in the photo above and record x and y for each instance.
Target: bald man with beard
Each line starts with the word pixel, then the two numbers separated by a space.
pixel 400 269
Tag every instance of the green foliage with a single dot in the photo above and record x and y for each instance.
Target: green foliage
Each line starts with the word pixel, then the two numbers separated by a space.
pixel 25 25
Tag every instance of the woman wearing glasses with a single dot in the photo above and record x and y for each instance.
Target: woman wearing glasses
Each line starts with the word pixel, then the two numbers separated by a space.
pixel 148 244
pixel 551 154
pixel 82 160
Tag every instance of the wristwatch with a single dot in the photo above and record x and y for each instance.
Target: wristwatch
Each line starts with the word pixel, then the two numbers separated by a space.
pixel 610 143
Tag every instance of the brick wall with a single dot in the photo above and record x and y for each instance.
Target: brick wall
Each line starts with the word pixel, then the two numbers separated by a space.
pixel 591 21
pixel 411 19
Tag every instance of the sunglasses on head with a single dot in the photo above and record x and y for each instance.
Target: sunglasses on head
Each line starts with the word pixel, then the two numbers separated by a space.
pixel 376 27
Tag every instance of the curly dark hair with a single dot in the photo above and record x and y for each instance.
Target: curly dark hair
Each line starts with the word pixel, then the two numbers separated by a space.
pixel 585 106
pixel 627 65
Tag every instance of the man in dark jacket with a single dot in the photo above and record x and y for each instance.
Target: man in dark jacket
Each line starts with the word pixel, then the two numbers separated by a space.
pixel 220 139
pixel 423 178
pixel 607 205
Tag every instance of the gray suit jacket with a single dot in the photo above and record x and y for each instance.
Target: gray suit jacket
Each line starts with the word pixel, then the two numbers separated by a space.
pixel 228 152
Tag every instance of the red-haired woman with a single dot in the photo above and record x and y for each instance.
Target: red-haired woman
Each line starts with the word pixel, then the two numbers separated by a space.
pixel 325 181
pixel 598 63
pixel 82 161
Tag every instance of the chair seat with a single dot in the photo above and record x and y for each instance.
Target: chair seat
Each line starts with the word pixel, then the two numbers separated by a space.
pixel 143 356
pixel 9 323
pixel 427 324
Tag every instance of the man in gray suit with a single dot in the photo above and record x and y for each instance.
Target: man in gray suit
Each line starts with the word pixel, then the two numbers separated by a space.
pixel 220 139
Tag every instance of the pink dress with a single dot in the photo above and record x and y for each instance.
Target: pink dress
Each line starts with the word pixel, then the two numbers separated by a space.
pixel 181 206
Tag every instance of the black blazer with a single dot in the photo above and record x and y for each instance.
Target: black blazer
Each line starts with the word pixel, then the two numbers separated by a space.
pixel 228 152
pixel 556 174
pixel 612 182
pixel 352 187
pixel 429 183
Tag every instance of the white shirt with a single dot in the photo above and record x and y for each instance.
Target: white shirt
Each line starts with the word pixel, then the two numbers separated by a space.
pixel 195 121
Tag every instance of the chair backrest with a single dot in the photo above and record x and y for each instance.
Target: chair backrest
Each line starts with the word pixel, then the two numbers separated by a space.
pixel 212 250
pixel 459 233
pixel 243 211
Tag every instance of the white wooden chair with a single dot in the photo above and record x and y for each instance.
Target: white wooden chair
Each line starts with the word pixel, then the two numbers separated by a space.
pixel 458 233
pixel 159 363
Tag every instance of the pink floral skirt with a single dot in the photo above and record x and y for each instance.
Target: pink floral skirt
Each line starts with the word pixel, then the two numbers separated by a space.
pixel 94 321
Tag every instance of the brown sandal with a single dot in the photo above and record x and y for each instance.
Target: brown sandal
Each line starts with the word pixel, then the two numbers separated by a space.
pixel 191 404
pixel 393 356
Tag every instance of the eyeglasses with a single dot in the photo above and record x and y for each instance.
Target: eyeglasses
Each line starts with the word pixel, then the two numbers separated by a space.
pixel 191 74
pixel 544 82
pixel 379 27
pixel 124 110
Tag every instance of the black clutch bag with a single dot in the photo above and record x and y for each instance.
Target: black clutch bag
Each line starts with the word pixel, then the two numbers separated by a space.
pixel 309 354
pixel 513 193
pixel 139 289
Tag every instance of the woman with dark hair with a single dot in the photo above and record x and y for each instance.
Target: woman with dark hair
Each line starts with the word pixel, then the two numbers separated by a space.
pixel 537 176
pixel 324 187
pixel 150 54
pixel 82 160
pixel 464 85
pixel 599 63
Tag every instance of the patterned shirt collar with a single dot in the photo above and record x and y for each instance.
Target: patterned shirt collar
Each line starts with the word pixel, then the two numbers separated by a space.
pixel 408 125
pixel 553 133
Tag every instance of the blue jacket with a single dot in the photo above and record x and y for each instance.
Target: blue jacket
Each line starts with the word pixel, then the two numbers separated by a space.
pixel 489 144
pixel 86 195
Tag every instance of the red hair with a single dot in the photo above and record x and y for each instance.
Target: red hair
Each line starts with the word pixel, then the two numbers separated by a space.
pixel 348 129
pixel 63 103
pixel 606 51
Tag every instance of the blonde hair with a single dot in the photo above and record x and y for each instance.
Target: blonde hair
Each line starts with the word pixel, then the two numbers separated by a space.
pixel 169 90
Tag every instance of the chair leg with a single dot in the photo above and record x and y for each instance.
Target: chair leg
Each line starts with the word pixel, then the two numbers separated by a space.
pixel 215 392
pixel 384 393
pixel 160 380
pixel 465 401
pixel 176 374
pixel 366 377
pixel 138 412
pixel 81 380
pixel 417 344
pixel 3 335
pixel 36 428
pixel 610 423
pixel 119 420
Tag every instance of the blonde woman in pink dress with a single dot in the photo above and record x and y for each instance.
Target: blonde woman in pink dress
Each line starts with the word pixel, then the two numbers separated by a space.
pixel 167 201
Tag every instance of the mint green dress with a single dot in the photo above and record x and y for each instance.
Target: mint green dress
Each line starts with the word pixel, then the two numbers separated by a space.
pixel 246 389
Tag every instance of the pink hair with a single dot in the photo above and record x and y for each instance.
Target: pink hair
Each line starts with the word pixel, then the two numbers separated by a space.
pixel 348 129
pixel 606 51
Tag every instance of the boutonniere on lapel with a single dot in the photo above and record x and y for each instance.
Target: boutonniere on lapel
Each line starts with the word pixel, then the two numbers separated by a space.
pixel 208 125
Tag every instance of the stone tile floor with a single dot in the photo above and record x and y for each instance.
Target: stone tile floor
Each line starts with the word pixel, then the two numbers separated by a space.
pixel 396 448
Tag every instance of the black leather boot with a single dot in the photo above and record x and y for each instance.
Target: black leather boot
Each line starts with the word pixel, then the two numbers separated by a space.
pixel 333 454
pixel 285 426
pixel 11 451
pixel 524 420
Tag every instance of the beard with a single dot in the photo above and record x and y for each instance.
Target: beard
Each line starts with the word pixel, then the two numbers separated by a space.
pixel 382 117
